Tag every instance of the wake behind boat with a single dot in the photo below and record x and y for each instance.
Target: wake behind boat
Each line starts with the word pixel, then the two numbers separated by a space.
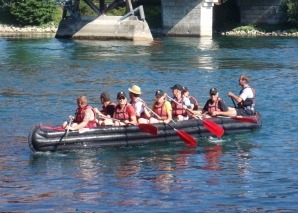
pixel 48 138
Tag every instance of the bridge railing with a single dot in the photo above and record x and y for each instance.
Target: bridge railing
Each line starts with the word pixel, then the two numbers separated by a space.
pixel 139 9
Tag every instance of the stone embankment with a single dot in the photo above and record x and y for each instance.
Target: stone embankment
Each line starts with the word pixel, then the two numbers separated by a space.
pixel 258 33
pixel 26 29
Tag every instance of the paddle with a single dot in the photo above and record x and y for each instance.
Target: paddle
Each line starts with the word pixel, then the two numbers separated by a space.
pixel 69 124
pixel 212 127
pixel 186 138
pixel 149 128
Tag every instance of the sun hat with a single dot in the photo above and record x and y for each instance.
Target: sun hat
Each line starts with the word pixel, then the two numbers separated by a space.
pixel 135 89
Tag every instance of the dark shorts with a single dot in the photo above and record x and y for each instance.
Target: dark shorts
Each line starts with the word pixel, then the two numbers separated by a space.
pixel 244 112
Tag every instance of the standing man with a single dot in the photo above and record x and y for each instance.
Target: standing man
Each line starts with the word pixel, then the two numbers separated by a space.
pixel 245 101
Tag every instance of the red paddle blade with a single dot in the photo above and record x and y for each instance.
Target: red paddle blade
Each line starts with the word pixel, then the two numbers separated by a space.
pixel 153 130
pixel 186 138
pixel 245 119
pixel 214 128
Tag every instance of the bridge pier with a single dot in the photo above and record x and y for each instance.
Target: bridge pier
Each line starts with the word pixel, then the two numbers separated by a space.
pixel 188 17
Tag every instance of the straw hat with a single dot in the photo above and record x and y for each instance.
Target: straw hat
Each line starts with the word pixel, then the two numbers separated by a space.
pixel 135 90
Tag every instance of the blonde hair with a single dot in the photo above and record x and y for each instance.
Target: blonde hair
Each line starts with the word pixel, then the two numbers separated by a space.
pixel 82 99
pixel 244 77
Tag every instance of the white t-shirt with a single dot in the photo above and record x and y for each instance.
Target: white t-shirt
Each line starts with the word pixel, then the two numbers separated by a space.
pixel 246 93
pixel 139 108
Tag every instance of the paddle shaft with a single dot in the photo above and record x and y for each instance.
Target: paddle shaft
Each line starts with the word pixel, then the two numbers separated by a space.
pixel 234 102
pixel 213 127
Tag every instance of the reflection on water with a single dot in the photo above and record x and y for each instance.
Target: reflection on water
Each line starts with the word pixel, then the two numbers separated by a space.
pixel 41 78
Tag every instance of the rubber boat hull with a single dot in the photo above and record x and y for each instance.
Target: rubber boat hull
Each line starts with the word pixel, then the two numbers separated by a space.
pixel 45 138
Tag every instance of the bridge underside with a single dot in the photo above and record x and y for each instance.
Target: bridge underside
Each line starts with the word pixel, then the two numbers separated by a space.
pixel 131 26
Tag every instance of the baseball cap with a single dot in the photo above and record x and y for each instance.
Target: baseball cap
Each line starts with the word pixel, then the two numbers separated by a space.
pixel 213 91
pixel 177 86
pixel 121 94
pixel 159 93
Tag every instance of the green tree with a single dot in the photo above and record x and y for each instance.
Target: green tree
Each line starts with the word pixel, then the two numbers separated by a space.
pixel 32 12
pixel 291 9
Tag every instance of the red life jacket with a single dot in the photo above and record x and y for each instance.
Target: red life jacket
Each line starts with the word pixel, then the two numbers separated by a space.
pixel 160 110
pixel 177 108
pixel 213 107
pixel 196 103
pixel 80 114
pixel 121 114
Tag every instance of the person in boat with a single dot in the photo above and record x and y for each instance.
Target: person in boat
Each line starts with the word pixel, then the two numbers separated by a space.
pixel 194 104
pixel 179 103
pixel 214 104
pixel 124 113
pixel 245 101
pixel 84 116
pixel 107 110
pixel 161 110
pixel 135 100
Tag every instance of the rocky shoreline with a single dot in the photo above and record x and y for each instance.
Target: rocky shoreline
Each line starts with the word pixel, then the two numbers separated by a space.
pixel 27 29
pixel 10 29
pixel 258 33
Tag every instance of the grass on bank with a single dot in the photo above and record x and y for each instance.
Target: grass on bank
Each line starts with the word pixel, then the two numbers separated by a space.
pixel 289 28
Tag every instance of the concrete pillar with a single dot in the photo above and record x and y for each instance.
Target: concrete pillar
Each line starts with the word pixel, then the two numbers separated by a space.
pixel 206 21
pixel 187 17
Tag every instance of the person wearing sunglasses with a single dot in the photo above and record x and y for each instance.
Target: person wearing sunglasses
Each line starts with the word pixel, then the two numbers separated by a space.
pixel 124 113
pixel 212 105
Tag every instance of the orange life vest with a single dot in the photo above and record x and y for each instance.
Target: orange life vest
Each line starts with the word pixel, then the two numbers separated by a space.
pixel 160 110
pixel 177 108
pixel 120 113
pixel 80 114
pixel 213 107
pixel 196 103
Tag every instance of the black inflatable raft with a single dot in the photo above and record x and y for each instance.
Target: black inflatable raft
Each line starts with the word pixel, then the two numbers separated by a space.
pixel 47 138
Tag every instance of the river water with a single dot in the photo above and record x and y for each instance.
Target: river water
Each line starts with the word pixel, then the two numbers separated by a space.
pixel 256 172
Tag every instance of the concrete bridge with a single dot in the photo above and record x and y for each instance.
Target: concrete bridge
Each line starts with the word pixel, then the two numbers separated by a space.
pixel 195 17
pixel 179 18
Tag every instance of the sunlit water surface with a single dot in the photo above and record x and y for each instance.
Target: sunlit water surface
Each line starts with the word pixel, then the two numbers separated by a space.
pixel 255 172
